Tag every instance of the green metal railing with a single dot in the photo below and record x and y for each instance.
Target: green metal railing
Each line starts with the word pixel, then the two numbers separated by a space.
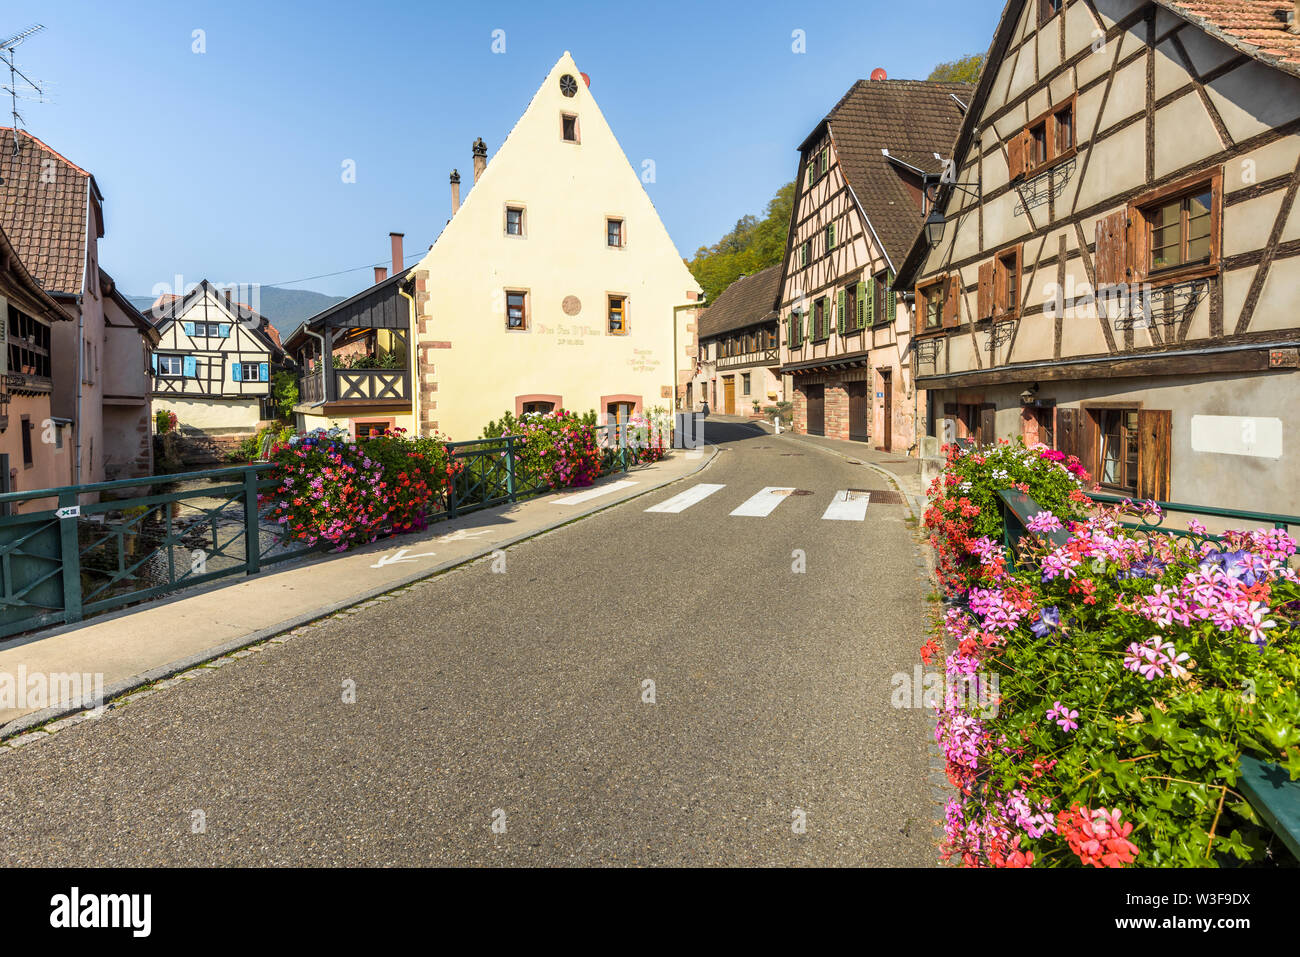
pixel 111 544
pixel 1275 519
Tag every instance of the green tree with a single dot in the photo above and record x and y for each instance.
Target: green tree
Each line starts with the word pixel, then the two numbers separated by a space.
pixel 284 390
pixel 751 245
pixel 965 70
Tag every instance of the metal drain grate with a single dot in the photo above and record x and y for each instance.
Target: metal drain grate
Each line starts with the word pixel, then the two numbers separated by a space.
pixel 888 497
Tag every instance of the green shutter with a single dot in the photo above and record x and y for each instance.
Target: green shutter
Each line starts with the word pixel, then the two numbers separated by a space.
pixel 890 303
pixel 866 302
pixel 840 306
pixel 830 236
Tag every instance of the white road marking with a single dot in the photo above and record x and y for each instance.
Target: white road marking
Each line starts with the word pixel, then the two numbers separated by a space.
pixel 587 496
pixel 764 503
pixel 848 506
pixel 400 556
pixel 684 500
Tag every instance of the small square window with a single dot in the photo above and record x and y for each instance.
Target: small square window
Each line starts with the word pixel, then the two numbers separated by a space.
pixel 618 315
pixel 170 366
pixel 514 221
pixel 516 310
pixel 569 127
pixel 614 233
pixel 250 372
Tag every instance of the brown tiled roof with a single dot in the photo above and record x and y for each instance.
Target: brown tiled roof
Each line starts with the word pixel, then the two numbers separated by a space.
pixel 910 118
pixel 1255 27
pixel 44 203
pixel 17 281
pixel 748 300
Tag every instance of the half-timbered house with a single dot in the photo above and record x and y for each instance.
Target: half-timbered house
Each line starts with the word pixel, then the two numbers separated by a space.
pixel 740 359
pixel 858 204
pixel 214 360
pixel 1112 265
pixel 354 358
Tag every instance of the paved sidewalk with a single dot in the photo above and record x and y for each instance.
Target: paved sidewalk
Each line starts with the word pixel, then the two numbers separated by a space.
pixel 153 641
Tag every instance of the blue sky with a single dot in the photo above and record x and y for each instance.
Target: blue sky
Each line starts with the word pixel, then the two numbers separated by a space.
pixel 227 164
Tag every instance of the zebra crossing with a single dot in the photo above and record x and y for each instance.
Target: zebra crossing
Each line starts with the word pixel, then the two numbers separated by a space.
pixel 847 505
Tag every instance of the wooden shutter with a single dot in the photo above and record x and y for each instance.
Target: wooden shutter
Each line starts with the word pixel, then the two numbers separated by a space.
pixel 1020 153
pixel 236 372
pixel 840 305
pixel 866 302
pixel 890 305
pixel 1069 432
pixel 1155 431
pixel 1112 255
pixel 951 296
pixel 985 298
pixel 918 311
pixel 988 425
pixel 264 370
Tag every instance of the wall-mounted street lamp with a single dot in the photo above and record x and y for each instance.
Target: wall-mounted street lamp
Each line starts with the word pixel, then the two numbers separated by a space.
pixel 935 222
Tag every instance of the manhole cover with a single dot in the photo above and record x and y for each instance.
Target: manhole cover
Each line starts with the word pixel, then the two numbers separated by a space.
pixel 886 498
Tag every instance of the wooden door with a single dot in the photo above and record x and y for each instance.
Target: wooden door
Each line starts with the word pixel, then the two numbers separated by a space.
pixel 729 392
pixel 887 387
pixel 816 409
pixel 859 430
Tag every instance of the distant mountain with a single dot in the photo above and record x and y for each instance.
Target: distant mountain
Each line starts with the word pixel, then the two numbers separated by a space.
pixel 286 308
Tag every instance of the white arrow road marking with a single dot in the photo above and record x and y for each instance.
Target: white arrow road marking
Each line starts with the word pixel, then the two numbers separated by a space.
pixel 764 503
pixel 400 556
pixel 848 506
pixel 588 495
pixel 684 500
pixel 463 533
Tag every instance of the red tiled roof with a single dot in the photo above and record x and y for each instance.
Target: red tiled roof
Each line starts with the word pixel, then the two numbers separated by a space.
pixel 1256 27
pixel 748 300
pixel 913 119
pixel 44 204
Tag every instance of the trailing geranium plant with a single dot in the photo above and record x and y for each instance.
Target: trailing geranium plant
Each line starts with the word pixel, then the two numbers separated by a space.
pixel 1132 670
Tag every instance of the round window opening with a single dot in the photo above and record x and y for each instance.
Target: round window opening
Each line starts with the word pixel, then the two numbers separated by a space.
pixel 568 85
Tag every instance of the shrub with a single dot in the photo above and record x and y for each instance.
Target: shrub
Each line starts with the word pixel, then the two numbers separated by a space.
pixel 417 471
pixel 164 421
pixel 558 449
pixel 1102 692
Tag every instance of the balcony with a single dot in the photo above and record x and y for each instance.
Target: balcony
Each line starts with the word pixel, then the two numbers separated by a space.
pixel 764 357
pixel 355 385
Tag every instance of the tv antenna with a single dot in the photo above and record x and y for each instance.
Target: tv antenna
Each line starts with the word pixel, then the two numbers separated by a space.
pixel 7 48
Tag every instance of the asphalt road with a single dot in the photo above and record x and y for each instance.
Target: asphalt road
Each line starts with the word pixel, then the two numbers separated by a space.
pixel 517 696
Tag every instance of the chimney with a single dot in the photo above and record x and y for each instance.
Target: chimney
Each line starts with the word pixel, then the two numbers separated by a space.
pixel 399 261
pixel 455 191
pixel 480 158
pixel 381 273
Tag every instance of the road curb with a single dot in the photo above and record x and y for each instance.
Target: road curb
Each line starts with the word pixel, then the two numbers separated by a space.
pixel 37 719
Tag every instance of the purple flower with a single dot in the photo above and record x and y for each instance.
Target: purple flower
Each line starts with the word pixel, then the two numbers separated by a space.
pixel 1049 619
pixel 1063 716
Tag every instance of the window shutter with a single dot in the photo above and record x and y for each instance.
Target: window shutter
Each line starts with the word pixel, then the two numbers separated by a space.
pixel 952 291
pixel 1016 156
pixel 918 311
pixel 866 302
pixel 224 330
pixel 190 366
pixel 153 360
pixel 264 370
pixel 985 300
pixel 1069 432
pixel 188 328
pixel 1112 255
pixel 841 315
pixel 891 304
pixel 1155 428
pixel 236 372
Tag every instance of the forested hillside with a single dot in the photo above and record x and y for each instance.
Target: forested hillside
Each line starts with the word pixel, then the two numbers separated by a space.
pixel 752 245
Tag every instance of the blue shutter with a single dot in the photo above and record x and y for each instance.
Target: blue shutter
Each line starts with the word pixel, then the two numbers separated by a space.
pixel 224 330
pixel 153 360
pixel 264 370
pixel 237 371
pixel 188 328
pixel 191 367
